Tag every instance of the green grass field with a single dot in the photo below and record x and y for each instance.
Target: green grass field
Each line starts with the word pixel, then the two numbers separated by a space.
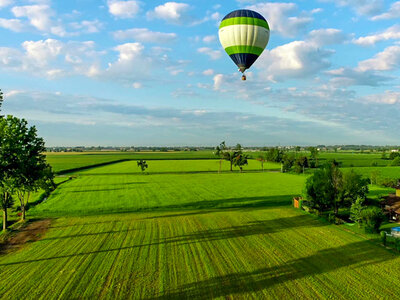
pixel 384 172
pixel 73 160
pixel 199 236
pixel 178 166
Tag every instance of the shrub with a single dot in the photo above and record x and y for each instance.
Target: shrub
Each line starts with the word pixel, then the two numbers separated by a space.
pixel 372 218
pixel 396 162
pixel 383 237
pixel 387 182
pixel 374 164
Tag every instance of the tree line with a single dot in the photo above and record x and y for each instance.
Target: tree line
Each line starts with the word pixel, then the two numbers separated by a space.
pixel 23 166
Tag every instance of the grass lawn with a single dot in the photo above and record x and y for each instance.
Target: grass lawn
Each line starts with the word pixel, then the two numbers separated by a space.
pixel 199 236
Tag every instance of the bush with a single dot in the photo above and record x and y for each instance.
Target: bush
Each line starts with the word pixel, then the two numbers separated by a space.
pixel 383 237
pixel 395 162
pixel 374 164
pixel 387 182
pixel 372 218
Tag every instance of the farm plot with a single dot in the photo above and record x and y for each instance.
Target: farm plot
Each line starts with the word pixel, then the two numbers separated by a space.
pixel 94 194
pixel 384 172
pixel 273 252
pixel 178 166
pixel 354 160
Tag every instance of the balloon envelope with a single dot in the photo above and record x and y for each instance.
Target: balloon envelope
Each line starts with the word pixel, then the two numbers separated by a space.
pixel 244 34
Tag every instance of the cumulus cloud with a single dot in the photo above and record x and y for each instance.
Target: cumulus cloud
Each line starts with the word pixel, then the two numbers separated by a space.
pixel 172 12
pixel 392 33
pixel 208 72
pixel 388 59
pixel 392 13
pixel 218 81
pixel 145 35
pixel 209 39
pixel 283 18
pixel 325 37
pixel 86 26
pixel 213 54
pixel 348 77
pixel 12 24
pixel 388 97
pixel 362 7
pixel 40 17
pixel 297 59
pixel 123 9
pixel 4 3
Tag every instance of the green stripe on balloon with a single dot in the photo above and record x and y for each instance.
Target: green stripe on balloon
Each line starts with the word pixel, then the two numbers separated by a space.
pixel 244 49
pixel 245 21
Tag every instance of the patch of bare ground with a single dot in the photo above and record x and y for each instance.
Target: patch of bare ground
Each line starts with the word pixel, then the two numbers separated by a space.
pixel 32 232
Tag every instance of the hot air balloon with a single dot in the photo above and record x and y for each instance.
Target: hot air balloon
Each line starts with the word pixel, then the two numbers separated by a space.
pixel 244 34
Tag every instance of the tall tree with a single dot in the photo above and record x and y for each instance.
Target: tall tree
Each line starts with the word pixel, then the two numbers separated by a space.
pixel 262 159
pixel 314 155
pixel 231 155
pixel 6 198
pixel 22 159
pixel 219 151
pixel 1 99
pixel 240 160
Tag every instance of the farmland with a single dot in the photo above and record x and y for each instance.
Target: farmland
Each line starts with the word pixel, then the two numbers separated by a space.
pixel 185 231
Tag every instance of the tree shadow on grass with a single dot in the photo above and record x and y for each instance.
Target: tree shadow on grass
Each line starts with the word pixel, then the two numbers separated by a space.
pixel 249 229
pixel 355 254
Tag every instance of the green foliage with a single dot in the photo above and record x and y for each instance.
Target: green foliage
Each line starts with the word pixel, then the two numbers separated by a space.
pixel 383 238
pixel 371 218
pixel 301 164
pixel 355 211
pixel 394 155
pixel 395 162
pixel 274 155
pixel 241 160
pixel 1 99
pixel 287 162
pixel 353 186
pixel 142 164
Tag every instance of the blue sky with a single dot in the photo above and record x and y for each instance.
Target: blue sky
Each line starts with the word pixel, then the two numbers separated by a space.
pixel 153 73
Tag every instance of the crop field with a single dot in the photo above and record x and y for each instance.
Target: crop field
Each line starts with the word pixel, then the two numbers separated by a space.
pixel 74 160
pixel 123 235
pixel 384 172
pixel 178 166
pixel 354 160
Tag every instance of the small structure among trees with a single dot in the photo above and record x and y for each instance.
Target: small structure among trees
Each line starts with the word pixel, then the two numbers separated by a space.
pixel 391 205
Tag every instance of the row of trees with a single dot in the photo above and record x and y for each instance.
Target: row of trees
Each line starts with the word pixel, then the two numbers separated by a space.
pixel 23 166
pixel 330 189
pixel 290 160
pixel 235 156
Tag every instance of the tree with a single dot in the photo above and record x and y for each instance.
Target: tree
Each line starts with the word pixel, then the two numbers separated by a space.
pixel 219 151
pixel 355 211
pixel 287 162
pixel 274 155
pixel 395 162
pixel 394 155
pixel 300 164
pixel 240 160
pixel 6 199
pixel 142 164
pixel 352 187
pixel 231 155
pixel 1 99
pixel 322 187
pixel 22 159
pixel 314 156
pixel 372 218
pixel 262 159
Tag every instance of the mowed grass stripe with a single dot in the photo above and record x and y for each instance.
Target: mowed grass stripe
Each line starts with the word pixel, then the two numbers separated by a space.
pixel 242 253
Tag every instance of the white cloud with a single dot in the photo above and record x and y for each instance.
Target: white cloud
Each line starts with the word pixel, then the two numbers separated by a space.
pixel 4 3
pixel 87 26
pixel 123 9
pixel 137 85
pixel 392 13
pixel 213 54
pixel 40 17
pixel 391 33
pixel 349 77
pixel 218 81
pixel 297 59
pixel 329 36
pixel 388 59
pixel 12 24
pixel 388 97
pixel 362 7
pixel 42 52
pixel 172 12
pixel 282 17
pixel 209 38
pixel 145 35
pixel 208 72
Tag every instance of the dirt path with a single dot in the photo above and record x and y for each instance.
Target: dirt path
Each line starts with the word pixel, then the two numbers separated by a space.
pixel 31 233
